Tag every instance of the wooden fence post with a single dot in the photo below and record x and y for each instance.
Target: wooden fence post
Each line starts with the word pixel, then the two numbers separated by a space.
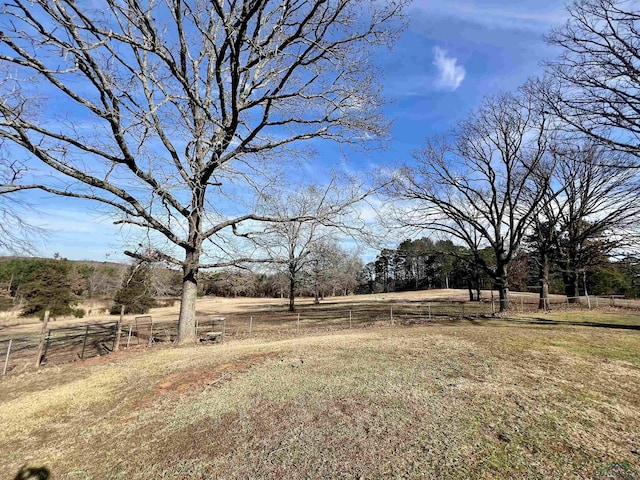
pixel 119 329
pixel 84 343
pixel 6 359
pixel 46 346
pixel 42 332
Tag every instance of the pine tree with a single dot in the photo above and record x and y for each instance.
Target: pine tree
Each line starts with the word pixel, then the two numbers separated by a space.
pixel 136 291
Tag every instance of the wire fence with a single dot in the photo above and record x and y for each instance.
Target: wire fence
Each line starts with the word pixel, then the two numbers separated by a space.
pixel 62 345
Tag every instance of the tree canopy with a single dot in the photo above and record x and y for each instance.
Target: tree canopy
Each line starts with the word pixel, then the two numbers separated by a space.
pixel 162 111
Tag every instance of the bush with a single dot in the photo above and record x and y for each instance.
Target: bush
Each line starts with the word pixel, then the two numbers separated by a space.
pixel 79 312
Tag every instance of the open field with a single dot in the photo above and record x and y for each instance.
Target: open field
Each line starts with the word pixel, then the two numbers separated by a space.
pixel 71 339
pixel 97 311
pixel 489 399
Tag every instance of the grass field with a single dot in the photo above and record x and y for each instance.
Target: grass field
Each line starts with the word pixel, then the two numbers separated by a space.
pixel 464 399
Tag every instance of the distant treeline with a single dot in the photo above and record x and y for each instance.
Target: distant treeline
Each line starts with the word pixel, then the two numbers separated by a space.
pixel 423 264
pixel 58 284
pixel 39 284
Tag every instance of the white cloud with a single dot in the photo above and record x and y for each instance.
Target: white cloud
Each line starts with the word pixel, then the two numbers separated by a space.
pixel 450 75
pixel 529 15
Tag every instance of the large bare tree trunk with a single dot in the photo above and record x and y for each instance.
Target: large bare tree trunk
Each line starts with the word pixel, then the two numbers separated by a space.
pixel 476 281
pixel 571 284
pixel 292 288
pixel 503 287
pixel 544 284
pixel 503 291
pixel 187 324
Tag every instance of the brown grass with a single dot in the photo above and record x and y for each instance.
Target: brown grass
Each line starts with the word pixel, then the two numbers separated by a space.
pixel 458 400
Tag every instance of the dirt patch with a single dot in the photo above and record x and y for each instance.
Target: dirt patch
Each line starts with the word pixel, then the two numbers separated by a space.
pixel 199 378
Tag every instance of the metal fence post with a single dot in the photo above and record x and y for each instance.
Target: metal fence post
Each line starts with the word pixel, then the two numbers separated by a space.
pixel 250 325
pixel 391 315
pixel 429 306
pixel 6 359
pixel 298 322
pixel 350 319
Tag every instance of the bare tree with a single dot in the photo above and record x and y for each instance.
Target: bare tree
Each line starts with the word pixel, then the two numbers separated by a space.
pixel 480 184
pixel 598 208
pixel 543 241
pixel 159 109
pixel 317 213
pixel 596 88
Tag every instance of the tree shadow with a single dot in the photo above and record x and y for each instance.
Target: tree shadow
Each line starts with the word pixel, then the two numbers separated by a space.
pixel 548 322
pixel 35 473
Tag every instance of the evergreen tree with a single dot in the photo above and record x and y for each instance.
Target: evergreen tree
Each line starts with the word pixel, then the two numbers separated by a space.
pixel 136 291
pixel 49 288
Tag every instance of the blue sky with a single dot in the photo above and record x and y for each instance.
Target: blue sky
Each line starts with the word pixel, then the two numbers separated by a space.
pixel 452 54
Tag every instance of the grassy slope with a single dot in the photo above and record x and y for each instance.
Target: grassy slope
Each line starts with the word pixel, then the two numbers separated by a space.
pixel 493 400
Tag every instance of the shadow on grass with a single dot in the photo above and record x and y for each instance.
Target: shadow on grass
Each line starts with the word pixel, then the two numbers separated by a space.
pixel 548 322
pixel 35 473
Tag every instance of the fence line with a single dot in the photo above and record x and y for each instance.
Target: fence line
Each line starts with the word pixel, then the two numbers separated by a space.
pixel 82 341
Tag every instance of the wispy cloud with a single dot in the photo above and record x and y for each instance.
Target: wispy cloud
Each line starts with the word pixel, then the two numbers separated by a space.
pixel 531 15
pixel 450 74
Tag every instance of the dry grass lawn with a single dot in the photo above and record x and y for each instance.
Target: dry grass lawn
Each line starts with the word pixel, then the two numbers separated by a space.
pixel 454 400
